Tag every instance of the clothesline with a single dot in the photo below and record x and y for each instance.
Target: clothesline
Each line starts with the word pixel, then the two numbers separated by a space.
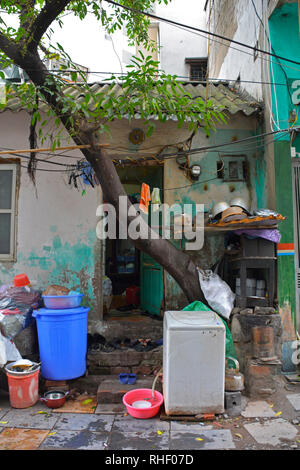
pixel 49 149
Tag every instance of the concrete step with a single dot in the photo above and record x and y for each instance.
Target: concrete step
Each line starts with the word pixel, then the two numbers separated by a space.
pixel 110 390
pixel 132 326
pixel 125 360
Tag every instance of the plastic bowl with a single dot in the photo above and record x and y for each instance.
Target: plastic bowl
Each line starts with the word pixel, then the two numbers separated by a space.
pixel 143 394
pixel 62 301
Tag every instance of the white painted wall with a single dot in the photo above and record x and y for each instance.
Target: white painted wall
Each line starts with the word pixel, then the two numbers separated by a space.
pixel 52 221
pixel 177 44
pixel 239 61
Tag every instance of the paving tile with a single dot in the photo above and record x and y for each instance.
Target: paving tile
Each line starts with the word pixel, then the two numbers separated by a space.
pixel 75 440
pixel 130 424
pixel 272 432
pixel 90 422
pixel 258 409
pixel 189 427
pixel 294 399
pixel 110 408
pixel 81 404
pixel 22 439
pixel 139 440
pixel 202 440
pixel 28 418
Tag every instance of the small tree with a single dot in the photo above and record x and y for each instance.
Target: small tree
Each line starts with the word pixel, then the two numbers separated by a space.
pixel 146 90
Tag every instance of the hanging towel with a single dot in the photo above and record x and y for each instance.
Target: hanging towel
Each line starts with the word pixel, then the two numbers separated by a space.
pixel 155 199
pixel 145 198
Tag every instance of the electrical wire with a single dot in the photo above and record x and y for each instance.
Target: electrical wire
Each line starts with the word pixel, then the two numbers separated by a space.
pixel 195 82
pixel 68 167
pixel 193 28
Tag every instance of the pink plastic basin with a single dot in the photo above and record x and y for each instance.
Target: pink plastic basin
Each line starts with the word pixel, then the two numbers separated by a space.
pixel 143 394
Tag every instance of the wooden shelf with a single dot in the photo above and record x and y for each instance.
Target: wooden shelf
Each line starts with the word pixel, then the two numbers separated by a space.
pixel 233 227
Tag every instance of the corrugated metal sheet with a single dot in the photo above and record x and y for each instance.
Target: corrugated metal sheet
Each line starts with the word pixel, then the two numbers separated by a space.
pixel 220 94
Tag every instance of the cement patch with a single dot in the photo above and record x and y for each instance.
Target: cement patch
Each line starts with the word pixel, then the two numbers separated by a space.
pixel 272 432
pixel 189 427
pixel 258 409
pixel 294 399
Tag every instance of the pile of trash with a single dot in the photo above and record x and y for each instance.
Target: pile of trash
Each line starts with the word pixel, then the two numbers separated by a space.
pixel 17 302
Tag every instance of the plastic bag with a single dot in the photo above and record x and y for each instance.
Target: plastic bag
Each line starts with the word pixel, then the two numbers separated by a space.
pixel 8 351
pixel 198 306
pixel 16 307
pixel 217 292
pixel 107 291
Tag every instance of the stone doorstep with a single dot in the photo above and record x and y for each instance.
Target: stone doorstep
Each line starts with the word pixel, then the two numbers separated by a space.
pixel 125 358
pixel 142 327
pixel 110 390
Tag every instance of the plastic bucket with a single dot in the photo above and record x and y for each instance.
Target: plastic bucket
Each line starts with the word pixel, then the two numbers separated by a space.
pixel 62 337
pixel 23 387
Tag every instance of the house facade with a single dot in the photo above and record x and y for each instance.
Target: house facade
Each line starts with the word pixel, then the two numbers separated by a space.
pixel 51 234
pixel 271 26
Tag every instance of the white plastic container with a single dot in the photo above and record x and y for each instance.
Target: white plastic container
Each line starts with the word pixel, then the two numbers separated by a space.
pixel 193 363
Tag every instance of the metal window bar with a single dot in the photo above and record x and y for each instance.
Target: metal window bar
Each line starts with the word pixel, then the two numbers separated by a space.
pixel 9 256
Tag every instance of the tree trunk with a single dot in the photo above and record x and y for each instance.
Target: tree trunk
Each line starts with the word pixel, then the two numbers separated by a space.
pixel 177 263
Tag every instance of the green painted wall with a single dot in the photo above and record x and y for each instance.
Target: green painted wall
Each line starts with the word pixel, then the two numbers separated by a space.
pixel 285 40
pixel 73 265
pixel 212 190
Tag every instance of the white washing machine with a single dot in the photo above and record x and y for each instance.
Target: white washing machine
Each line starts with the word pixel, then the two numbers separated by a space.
pixel 193 363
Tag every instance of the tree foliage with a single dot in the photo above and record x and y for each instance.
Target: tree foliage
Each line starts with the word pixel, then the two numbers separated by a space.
pixel 147 90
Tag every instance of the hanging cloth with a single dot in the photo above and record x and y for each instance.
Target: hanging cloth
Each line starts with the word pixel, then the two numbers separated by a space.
pixel 145 198
pixel 155 199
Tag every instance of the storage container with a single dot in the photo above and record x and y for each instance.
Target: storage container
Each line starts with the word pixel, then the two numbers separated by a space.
pixel 62 301
pixel 62 337
pixel 133 295
pixel 23 386
pixel 193 362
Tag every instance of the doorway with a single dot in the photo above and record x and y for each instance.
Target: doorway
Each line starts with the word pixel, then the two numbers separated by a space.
pixel 137 280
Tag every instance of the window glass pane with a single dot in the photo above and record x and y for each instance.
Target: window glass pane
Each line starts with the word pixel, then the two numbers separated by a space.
pixel 6 179
pixel 5 227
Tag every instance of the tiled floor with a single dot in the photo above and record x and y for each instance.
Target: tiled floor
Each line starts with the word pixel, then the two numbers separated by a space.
pixel 80 425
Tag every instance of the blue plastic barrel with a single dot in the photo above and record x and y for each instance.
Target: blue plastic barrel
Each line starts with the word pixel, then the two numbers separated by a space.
pixel 62 337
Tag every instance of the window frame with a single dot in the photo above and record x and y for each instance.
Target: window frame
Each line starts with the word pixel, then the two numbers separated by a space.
pixel 196 61
pixel 13 211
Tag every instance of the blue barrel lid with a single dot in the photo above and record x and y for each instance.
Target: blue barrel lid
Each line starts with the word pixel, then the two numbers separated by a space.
pixel 60 311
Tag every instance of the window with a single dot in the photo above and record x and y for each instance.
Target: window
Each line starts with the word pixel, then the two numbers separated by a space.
pixel 7 210
pixel 198 69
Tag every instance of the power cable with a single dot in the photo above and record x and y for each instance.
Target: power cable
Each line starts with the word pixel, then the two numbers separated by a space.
pixel 193 28
pixel 195 82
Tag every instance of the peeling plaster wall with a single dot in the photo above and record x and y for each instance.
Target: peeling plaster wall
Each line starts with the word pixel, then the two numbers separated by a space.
pixel 56 239
pixel 253 191
pixel 56 231
pixel 210 192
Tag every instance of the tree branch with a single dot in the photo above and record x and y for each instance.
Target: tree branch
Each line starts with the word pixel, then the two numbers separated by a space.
pixel 9 47
pixel 46 16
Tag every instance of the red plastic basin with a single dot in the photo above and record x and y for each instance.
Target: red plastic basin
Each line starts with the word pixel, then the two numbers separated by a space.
pixel 143 394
